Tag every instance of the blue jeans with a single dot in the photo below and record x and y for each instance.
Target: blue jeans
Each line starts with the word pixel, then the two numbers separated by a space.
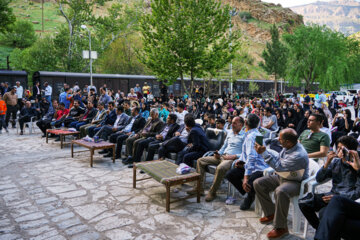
pixel 2 122
pixel 48 98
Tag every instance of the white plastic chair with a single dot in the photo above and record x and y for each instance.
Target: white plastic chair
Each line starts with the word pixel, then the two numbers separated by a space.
pixel 296 217
pixel 30 124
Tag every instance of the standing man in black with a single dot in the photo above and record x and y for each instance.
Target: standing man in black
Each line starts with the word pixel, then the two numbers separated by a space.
pixel 37 91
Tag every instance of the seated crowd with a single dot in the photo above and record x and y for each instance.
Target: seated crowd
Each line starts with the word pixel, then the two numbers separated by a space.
pixel 165 125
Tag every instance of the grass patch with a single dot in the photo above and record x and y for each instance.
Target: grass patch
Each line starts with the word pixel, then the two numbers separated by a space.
pixel 32 12
pixel 260 24
pixel 4 52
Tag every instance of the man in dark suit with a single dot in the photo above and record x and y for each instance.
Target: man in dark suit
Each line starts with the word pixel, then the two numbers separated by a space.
pixel 108 120
pixel 85 118
pixel 37 91
pixel 25 115
pixel 135 124
pixel 174 144
pixel 166 134
pixel 152 128
pixel 197 145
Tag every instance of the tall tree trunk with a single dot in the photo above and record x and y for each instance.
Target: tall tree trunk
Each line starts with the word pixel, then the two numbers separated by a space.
pixel 276 86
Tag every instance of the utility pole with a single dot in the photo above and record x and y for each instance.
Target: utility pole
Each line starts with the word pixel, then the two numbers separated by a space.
pixel 42 15
pixel 233 13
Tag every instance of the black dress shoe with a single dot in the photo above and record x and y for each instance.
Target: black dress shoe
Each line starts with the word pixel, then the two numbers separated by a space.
pixel 108 155
pixel 246 204
pixel 103 151
pixel 129 160
pixel 57 140
pixel 131 165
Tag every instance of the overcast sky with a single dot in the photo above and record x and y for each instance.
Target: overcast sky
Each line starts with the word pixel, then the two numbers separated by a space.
pixel 291 3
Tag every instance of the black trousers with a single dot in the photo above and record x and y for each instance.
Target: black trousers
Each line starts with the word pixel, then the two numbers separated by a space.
pixel 174 145
pixel 236 176
pixel 152 148
pixel 309 205
pixel 23 120
pixel 140 147
pixel 44 125
pixel 120 138
pixel 341 219
pixel 11 111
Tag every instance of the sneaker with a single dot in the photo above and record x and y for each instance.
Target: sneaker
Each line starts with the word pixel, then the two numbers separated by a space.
pixel 246 204
pixel 230 201
pixel 21 133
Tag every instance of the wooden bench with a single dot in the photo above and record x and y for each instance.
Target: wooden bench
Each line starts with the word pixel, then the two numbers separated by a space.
pixel 62 133
pixel 92 146
pixel 165 172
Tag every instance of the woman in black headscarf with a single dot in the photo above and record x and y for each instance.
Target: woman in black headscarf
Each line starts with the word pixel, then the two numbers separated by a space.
pixel 291 120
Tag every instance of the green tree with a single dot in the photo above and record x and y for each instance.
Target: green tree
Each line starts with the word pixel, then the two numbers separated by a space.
pixel 186 38
pixel 21 35
pixel 318 54
pixel 40 56
pixel 121 57
pixel 6 16
pixel 253 87
pixel 275 57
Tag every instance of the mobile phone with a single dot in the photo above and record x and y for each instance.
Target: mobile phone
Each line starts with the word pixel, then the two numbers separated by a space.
pixel 346 154
pixel 259 140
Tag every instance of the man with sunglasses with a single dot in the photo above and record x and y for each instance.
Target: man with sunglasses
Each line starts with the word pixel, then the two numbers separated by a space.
pixel 315 142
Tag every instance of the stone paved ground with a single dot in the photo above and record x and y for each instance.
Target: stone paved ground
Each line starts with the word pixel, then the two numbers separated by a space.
pixel 45 194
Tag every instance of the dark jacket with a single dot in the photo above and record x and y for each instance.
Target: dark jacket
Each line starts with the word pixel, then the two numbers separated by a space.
pixel 50 114
pixel 31 112
pixel 198 139
pixel 156 127
pixel 109 119
pixel 35 91
pixel 138 124
pixel 90 114
pixel 173 129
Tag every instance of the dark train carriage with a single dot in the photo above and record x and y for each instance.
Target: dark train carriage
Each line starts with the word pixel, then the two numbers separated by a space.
pixel 13 76
pixel 113 81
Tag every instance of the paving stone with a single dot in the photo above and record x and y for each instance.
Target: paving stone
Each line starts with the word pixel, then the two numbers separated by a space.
pixel 72 194
pixel 46 235
pixel 57 211
pixel 69 223
pixel 9 236
pixel 76 229
pixel 40 230
pixel 61 189
pixel 32 224
pixel 119 234
pixel 7 186
pixel 90 235
pixel 29 217
pixel 113 222
pixel 90 210
pixel 46 200
pixel 63 217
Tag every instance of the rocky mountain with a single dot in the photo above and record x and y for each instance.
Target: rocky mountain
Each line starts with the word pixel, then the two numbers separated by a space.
pixel 340 15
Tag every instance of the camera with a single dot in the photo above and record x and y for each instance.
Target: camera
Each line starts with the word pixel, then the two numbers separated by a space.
pixel 346 154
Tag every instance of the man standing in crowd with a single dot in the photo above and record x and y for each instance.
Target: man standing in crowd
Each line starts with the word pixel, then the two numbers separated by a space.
pixel 307 101
pixel 11 100
pixel 250 166
pixel 180 113
pixel 223 158
pixel 146 89
pixel 19 93
pixel 2 115
pixel 48 92
pixel 37 91
pixel 293 158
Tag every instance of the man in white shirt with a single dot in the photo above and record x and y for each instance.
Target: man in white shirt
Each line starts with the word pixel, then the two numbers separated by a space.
pixel 19 93
pixel 180 113
pixel 48 92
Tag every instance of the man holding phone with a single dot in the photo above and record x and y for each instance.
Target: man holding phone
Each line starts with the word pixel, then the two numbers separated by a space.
pixel 344 172
pixel 223 158
pixel 292 159
pixel 250 166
